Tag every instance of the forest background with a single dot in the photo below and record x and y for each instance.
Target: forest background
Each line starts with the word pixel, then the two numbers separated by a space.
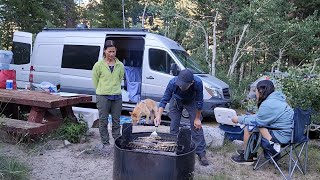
pixel 234 40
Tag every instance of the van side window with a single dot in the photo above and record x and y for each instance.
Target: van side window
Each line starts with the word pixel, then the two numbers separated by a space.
pixel 80 56
pixel 21 53
pixel 160 60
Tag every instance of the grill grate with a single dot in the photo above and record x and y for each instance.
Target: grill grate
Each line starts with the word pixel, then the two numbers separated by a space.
pixel 153 144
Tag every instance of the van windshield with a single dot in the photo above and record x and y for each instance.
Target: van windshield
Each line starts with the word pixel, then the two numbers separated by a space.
pixel 187 61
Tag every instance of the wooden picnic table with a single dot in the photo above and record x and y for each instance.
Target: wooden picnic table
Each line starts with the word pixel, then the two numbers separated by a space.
pixel 40 103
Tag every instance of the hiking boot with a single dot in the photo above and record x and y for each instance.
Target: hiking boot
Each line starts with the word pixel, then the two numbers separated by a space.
pixel 254 156
pixel 239 159
pixel 203 160
pixel 240 151
pixel 102 147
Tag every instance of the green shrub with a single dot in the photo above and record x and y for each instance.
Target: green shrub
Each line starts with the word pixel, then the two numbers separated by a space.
pixel 73 131
pixel 302 89
pixel 238 90
pixel 11 169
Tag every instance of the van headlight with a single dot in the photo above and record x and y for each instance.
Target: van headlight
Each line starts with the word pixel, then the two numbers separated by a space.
pixel 214 92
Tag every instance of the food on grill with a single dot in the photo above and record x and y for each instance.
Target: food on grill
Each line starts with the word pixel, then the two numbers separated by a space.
pixel 155 143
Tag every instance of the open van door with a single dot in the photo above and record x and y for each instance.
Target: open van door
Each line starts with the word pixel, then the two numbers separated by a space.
pixel 21 48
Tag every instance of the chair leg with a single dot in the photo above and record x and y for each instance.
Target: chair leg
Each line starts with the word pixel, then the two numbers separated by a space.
pixel 257 166
pixel 306 159
pixel 290 160
pixel 277 166
pixel 257 163
pixel 297 163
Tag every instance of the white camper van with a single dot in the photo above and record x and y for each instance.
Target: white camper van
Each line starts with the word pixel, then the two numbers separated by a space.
pixel 66 56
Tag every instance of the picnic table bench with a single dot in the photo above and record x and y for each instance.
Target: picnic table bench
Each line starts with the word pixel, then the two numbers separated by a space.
pixel 40 120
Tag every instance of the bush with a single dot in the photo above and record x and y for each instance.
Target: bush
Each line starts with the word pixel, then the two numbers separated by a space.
pixel 302 89
pixel 73 131
pixel 12 169
pixel 238 90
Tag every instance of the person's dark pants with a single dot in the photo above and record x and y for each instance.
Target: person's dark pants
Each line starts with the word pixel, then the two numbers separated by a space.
pixel 175 108
pixel 106 107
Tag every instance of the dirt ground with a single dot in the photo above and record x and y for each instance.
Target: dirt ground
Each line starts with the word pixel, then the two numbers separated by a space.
pixel 51 159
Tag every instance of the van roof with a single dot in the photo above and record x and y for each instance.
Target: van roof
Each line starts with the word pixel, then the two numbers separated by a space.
pixel 102 32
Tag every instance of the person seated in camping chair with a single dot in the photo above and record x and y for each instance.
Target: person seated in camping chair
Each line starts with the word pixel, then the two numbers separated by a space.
pixel 273 113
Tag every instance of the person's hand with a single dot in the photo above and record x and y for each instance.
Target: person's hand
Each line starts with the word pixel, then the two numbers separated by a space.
pixel 197 123
pixel 157 120
pixel 235 119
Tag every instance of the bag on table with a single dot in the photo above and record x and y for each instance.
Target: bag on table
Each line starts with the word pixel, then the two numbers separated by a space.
pixel 7 75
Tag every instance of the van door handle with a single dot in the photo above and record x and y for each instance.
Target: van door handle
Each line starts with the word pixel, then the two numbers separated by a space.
pixel 150 77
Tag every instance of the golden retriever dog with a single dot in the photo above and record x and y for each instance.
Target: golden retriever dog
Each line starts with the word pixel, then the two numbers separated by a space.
pixel 148 108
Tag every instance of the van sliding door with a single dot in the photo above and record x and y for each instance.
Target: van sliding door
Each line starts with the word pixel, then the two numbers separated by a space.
pixel 79 56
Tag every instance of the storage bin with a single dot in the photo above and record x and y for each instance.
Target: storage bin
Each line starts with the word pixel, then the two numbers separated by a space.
pixel 5 56
pixel 4 66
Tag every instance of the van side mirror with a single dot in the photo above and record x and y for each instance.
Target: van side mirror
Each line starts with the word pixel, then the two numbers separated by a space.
pixel 174 69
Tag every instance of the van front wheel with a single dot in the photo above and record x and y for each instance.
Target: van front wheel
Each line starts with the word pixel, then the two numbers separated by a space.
pixel 185 113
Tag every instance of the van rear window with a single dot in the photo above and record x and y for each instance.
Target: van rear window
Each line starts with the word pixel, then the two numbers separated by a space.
pixel 80 56
pixel 21 53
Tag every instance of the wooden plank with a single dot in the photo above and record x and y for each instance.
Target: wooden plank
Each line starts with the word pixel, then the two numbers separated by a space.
pixel 19 126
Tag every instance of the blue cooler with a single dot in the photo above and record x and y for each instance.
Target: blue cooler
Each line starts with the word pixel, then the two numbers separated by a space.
pixel 232 132
pixel 5 56
pixel 223 116
pixel 5 59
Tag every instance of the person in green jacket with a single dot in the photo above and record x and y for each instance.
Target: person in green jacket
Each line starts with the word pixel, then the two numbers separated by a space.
pixel 107 76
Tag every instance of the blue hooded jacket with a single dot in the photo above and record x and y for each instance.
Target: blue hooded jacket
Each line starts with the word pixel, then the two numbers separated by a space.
pixel 274 111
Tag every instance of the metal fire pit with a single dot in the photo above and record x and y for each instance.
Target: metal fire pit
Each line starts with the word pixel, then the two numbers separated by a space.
pixel 167 157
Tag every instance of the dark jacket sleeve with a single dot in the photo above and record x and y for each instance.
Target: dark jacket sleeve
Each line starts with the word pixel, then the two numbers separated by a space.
pixel 199 94
pixel 167 94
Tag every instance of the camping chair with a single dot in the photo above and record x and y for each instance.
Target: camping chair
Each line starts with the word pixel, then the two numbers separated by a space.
pixel 299 138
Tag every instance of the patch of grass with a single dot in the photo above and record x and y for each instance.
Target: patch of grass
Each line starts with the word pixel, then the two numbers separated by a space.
pixel 219 176
pixel 227 147
pixel 71 131
pixel 11 169
pixel 314 158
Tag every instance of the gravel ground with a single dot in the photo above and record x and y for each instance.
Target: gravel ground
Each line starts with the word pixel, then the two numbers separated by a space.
pixel 51 159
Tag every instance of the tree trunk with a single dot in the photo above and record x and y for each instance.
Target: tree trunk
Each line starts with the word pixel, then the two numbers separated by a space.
pixel 241 72
pixel 143 14
pixel 281 51
pixel 214 48
pixel 236 57
pixel 314 65
pixel 123 17
pixel 206 43
pixel 206 46
pixel 70 14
